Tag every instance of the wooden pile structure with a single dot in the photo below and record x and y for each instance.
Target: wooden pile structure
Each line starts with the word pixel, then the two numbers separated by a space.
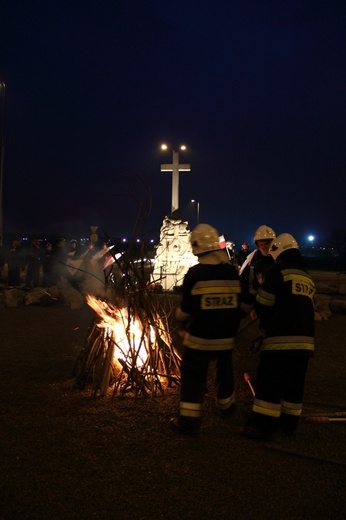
pixel 129 346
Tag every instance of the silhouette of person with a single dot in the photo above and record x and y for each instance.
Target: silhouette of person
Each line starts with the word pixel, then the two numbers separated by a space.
pixel 243 253
pixel 33 265
pixel 15 263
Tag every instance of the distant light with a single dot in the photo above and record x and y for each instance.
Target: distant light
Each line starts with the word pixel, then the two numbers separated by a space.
pixel 165 147
pixel 138 239
pixel 152 241
pixel 124 239
pixel 311 238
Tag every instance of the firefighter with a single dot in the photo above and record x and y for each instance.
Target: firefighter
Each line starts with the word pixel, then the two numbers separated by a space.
pixel 257 263
pixel 252 273
pixel 210 313
pixel 284 306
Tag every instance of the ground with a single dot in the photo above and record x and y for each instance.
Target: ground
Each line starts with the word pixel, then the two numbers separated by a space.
pixel 66 455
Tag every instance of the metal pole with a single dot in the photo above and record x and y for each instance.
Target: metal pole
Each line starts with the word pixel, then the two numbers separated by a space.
pixel 197 210
pixel 3 91
pixel 175 181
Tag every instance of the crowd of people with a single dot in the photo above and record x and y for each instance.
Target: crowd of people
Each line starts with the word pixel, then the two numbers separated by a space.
pixel 46 263
pixel 273 287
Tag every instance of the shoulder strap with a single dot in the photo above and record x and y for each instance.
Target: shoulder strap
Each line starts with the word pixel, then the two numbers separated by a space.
pixel 247 261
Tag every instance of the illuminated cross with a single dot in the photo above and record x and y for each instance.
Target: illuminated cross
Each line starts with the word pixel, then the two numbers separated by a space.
pixel 175 168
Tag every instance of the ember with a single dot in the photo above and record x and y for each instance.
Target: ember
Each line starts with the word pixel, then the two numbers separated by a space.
pixel 128 348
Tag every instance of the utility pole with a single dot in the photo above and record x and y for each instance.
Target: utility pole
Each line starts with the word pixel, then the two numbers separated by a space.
pixel 3 95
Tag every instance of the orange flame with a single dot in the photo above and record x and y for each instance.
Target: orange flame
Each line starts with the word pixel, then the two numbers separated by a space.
pixel 132 343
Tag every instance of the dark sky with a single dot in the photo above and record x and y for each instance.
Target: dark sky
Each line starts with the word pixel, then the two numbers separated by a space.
pixel 255 89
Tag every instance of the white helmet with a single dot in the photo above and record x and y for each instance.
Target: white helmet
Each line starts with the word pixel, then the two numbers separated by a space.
pixel 264 233
pixel 282 243
pixel 204 238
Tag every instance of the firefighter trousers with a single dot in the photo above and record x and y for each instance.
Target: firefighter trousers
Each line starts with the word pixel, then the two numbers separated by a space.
pixel 194 372
pixel 279 391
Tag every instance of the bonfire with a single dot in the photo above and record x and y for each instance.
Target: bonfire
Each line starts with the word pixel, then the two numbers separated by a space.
pixel 129 347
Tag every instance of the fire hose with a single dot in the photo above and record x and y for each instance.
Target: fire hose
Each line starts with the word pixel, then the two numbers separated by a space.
pixel 304 455
pixel 324 419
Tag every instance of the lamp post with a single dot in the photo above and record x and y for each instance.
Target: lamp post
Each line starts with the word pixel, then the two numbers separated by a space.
pixel 197 206
pixel 175 168
pixel 3 94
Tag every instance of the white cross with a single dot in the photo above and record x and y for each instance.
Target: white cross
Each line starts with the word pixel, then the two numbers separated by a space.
pixel 175 167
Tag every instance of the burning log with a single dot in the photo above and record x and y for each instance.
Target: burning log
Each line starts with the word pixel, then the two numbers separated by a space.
pixel 135 379
pixel 128 348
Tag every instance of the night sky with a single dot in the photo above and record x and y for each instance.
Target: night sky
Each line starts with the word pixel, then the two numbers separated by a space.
pixel 255 89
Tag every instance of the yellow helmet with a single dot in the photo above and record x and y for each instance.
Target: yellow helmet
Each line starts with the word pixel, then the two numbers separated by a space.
pixel 264 233
pixel 204 238
pixel 281 244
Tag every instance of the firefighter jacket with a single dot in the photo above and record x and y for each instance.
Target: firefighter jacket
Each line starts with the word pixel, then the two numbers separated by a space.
pixel 254 273
pixel 211 300
pixel 284 306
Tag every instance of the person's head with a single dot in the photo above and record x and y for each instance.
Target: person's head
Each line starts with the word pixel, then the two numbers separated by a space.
pixel 245 246
pixel 204 239
pixel 73 244
pixel 281 244
pixel 61 242
pixel 263 238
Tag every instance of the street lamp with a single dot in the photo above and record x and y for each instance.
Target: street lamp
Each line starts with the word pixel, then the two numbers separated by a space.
pixel 197 206
pixel 3 93
pixel 175 168
pixel 165 147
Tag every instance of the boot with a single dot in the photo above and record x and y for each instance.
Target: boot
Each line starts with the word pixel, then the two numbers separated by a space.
pixel 288 423
pixel 259 427
pixel 185 425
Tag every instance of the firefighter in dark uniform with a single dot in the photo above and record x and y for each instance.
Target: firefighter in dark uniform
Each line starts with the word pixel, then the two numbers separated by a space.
pixel 210 311
pixel 284 306
pixel 252 273
pixel 257 263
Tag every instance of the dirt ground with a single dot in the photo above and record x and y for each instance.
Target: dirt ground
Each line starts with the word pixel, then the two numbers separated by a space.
pixel 65 455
